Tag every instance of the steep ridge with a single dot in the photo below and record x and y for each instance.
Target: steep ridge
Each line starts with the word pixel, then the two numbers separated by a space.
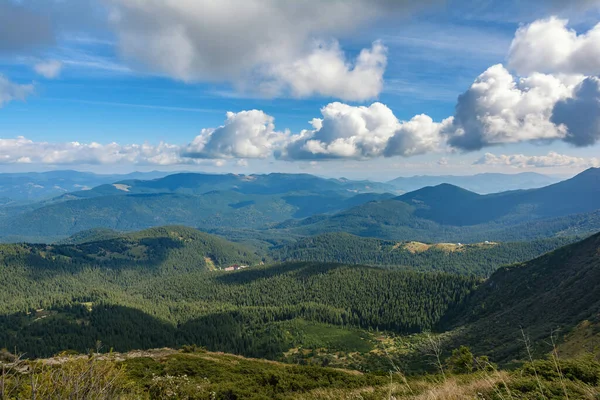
pixel 551 294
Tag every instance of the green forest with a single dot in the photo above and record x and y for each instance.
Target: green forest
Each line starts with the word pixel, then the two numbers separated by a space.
pixel 479 259
pixel 167 288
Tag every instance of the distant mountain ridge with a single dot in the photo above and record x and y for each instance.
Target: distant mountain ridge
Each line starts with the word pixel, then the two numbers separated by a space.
pixel 449 213
pixel 200 200
pixel 34 186
pixel 199 183
pixel 305 205
pixel 480 183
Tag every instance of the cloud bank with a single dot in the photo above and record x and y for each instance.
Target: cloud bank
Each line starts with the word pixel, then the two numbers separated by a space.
pixel 268 46
pixel 547 92
pixel 360 132
pixel 553 159
pixel 22 28
pixel 24 151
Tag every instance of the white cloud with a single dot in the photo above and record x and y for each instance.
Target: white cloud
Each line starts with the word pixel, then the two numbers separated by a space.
pixel 265 44
pixel 418 136
pixel 580 115
pixel 22 150
pixel 360 132
pixel 247 134
pixel 49 69
pixel 553 159
pixel 10 91
pixel 548 46
pixel 500 109
pixel 326 72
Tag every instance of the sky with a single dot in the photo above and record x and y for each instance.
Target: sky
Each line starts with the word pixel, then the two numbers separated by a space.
pixel 369 89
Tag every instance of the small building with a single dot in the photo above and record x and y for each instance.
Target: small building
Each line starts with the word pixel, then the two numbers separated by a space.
pixel 235 267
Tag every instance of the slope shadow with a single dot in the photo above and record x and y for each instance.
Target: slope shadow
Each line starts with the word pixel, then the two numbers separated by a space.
pixel 301 270
pixel 114 254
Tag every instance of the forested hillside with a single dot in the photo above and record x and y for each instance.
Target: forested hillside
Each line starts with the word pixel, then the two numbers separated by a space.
pixel 172 248
pixel 139 211
pixel 546 296
pixel 159 287
pixel 479 259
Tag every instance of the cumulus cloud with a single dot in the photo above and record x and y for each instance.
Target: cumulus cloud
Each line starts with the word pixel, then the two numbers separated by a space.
pixel 580 114
pixel 553 159
pixel 10 91
pixel 325 72
pixel 418 136
pixel 49 69
pixel 22 150
pixel 247 134
pixel 264 44
pixel 499 108
pixel 549 46
pixel 361 132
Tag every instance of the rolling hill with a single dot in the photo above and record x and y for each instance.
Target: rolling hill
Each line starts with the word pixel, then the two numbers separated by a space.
pixel 139 211
pixel 168 280
pixel 166 248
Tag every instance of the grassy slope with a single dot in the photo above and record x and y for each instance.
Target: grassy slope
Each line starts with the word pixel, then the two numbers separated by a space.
pixel 197 374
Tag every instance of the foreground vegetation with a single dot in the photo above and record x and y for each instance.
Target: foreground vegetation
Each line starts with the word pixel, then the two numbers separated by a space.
pixel 197 374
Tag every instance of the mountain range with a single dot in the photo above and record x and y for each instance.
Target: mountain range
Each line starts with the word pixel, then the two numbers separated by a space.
pixel 35 186
pixel 293 205
pixel 449 213
pixel 480 183
pixel 208 201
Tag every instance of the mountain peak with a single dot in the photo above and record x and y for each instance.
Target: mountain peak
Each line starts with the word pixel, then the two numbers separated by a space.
pixel 443 191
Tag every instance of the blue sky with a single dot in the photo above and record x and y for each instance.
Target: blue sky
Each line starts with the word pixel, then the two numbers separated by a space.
pixel 108 87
